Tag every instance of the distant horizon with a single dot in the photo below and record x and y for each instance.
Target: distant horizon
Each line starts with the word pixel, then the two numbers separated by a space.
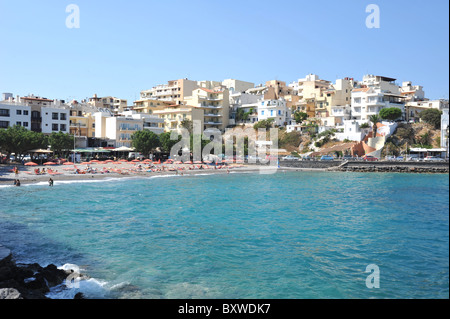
pixel 119 49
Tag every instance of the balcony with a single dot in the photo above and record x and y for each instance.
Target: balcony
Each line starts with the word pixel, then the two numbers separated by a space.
pixel 213 115
pixel 213 107
pixel 213 123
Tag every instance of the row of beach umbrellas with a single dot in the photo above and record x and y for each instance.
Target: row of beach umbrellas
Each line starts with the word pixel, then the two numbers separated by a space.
pixel 131 162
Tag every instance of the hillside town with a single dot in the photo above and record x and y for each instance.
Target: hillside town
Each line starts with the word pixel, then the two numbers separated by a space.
pixel 350 109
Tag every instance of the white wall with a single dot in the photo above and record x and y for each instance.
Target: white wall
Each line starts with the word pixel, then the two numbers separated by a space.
pixel 48 121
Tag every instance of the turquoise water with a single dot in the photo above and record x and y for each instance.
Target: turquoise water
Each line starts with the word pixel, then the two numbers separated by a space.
pixel 288 235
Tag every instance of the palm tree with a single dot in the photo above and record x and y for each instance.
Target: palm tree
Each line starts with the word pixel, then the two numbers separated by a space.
pixel 374 119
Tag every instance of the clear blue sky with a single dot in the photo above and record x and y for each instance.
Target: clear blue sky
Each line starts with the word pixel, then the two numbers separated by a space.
pixel 123 47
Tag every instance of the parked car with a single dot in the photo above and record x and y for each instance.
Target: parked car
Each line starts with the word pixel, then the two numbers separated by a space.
pixel 348 158
pixel 307 158
pixel 400 159
pixel 290 158
pixel 433 159
pixel 370 158
pixel 390 158
pixel 327 158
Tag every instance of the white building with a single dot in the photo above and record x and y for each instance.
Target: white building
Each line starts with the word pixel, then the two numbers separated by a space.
pixel 55 119
pixel 237 86
pixel 12 113
pixel 375 94
pixel 276 110
pixel 35 113
pixel 118 130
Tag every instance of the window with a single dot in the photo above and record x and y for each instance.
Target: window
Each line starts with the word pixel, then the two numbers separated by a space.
pixel 4 124
pixel 63 127
pixel 19 123
pixel 279 112
pixel 4 112
pixel 54 127
pixel 19 112
pixel 62 116
pixel 262 112
pixel 271 112
pixel 25 124
pixel 54 116
pixel 25 112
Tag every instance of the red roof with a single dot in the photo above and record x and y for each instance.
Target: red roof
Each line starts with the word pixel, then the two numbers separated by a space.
pixel 210 91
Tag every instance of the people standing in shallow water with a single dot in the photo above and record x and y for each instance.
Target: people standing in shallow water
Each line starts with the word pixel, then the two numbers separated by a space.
pixel 16 182
pixel 50 182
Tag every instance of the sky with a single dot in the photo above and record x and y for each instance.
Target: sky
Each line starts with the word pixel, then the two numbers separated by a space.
pixel 124 47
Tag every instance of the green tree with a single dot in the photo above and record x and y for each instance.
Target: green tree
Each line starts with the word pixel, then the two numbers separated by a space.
pixel 166 143
pixel 145 141
pixel 188 125
pixel 431 116
pixel 391 113
pixel 19 140
pixel 299 117
pixel 60 142
pixel 375 119
pixel 264 124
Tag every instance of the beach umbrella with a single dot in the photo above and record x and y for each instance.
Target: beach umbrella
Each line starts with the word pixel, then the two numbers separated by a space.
pixel 31 164
pixel 68 163
pixel 85 163
pixel 123 160
pixel 50 163
pixel 178 162
pixel 135 161
pixel 95 161
pixel 109 161
pixel 198 162
pixel 188 162
pixel 117 163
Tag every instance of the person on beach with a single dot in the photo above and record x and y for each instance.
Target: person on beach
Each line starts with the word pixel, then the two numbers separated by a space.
pixel 17 183
pixel 50 182
pixel 16 171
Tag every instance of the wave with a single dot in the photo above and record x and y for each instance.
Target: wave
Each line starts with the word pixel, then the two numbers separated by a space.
pixel 91 288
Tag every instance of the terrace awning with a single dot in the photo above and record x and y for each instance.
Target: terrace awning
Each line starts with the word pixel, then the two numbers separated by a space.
pixel 42 151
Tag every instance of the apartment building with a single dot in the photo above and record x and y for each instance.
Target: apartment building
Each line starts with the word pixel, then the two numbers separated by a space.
pixel 109 102
pixel 376 93
pixel 215 104
pixel 246 102
pixel 332 107
pixel 149 106
pixel 118 130
pixel 275 110
pixel 237 86
pixel 173 116
pixel 35 113
pixel 13 113
pixel 173 91
pixel 414 108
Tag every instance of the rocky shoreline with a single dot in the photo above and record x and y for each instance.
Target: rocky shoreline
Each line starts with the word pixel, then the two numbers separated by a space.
pixel 32 281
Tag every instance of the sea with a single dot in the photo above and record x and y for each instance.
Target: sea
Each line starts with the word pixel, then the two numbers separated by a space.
pixel 288 235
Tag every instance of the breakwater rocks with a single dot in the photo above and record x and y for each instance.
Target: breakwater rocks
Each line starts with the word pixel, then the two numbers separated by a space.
pixel 394 167
pixel 27 281
pixel 360 166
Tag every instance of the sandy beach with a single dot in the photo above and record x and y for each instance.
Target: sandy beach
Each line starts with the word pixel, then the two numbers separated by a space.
pixel 95 171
